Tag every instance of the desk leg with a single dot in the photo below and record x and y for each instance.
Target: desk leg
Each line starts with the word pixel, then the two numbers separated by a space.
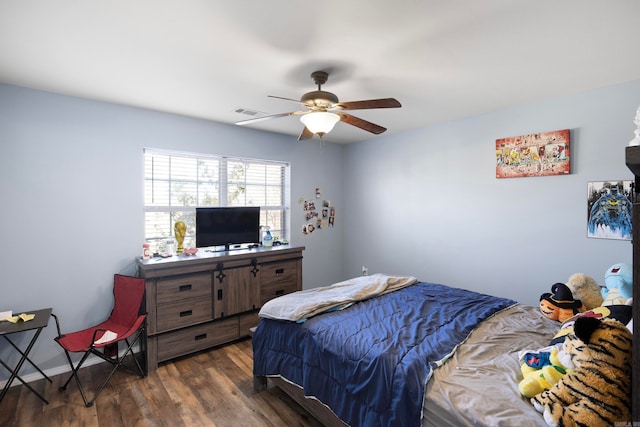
pixel 14 372
pixel 25 356
pixel 8 384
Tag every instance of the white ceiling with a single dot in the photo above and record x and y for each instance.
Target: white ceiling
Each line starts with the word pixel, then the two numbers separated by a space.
pixel 442 59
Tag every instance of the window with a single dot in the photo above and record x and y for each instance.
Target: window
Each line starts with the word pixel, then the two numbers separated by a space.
pixel 176 183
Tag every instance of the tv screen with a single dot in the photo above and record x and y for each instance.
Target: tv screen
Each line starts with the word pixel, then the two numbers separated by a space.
pixel 227 226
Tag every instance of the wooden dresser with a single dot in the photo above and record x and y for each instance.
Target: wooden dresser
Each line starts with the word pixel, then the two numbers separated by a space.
pixel 197 302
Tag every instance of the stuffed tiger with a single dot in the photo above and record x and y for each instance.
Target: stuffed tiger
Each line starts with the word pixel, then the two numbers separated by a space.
pixel 598 391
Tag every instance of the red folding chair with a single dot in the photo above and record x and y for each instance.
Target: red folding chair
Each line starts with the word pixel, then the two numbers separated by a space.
pixel 125 322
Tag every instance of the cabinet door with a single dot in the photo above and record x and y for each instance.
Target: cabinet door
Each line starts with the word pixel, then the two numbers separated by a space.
pixel 235 290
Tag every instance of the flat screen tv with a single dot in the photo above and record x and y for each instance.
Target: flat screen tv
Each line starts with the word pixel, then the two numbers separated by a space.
pixel 227 226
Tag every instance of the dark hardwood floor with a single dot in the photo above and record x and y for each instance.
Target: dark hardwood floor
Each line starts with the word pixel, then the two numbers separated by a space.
pixel 212 388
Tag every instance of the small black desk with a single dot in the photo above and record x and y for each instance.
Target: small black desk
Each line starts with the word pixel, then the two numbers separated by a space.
pixel 40 321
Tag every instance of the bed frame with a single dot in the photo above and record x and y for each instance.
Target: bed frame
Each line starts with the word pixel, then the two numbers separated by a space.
pixel 318 410
pixel 329 419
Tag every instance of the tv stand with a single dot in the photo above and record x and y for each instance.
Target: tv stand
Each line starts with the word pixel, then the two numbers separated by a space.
pixel 212 298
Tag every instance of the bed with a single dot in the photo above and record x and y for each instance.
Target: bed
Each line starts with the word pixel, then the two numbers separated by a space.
pixel 364 363
pixel 475 383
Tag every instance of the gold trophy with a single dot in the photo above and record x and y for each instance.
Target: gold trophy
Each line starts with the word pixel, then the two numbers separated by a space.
pixel 180 229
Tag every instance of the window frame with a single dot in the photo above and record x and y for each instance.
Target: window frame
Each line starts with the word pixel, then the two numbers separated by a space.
pixel 275 216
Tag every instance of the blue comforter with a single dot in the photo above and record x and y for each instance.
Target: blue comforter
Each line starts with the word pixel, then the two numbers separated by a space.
pixel 370 362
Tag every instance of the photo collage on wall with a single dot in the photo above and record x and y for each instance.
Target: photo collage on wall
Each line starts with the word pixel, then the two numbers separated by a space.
pixel 319 214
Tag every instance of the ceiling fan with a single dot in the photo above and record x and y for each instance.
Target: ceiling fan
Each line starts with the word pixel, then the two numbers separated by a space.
pixel 322 110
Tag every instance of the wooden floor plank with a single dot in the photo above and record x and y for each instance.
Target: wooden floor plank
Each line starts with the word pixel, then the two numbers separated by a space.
pixel 188 410
pixel 212 389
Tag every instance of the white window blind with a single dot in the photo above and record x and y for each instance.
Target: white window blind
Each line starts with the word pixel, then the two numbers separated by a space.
pixel 176 183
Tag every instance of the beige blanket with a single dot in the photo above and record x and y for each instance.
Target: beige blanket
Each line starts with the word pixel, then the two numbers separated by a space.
pixel 301 305
pixel 478 385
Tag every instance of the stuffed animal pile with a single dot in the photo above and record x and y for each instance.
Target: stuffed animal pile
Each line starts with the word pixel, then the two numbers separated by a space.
pixel 567 379
pixel 597 391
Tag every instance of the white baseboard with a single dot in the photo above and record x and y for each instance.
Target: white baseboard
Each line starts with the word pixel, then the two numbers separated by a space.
pixel 35 376
pixel 58 370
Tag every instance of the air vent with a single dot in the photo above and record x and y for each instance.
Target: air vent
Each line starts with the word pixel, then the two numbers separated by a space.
pixel 249 112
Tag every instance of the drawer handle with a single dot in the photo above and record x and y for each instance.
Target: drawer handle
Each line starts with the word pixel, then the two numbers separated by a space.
pixel 186 313
pixel 255 269
pixel 201 337
pixel 279 292
pixel 219 294
pixel 183 288
pixel 220 276
pixel 279 271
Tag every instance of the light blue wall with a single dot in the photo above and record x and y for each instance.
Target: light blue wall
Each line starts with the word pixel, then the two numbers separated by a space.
pixel 427 202
pixel 424 202
pixel 71 175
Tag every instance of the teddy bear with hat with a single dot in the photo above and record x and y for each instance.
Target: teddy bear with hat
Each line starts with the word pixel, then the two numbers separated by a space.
pixel 559 304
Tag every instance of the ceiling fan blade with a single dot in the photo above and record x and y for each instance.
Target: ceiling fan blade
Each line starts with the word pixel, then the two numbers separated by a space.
pixel 305 134
pixel 368 104
pixel 297 101
pixel 271 116
pixel 361 123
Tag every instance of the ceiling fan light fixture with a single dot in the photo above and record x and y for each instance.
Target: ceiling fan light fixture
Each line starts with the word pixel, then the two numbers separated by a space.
pixel 320 122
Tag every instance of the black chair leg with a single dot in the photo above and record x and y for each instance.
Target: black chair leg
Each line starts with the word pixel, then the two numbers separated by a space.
pixel 115 362
pixel 119 361
pixel 74 375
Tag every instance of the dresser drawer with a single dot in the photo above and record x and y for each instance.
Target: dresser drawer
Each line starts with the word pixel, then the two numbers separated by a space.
pixel 279 272
pixel 195 338
pixel 185 313
pixel 273 290
pixel 175 288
